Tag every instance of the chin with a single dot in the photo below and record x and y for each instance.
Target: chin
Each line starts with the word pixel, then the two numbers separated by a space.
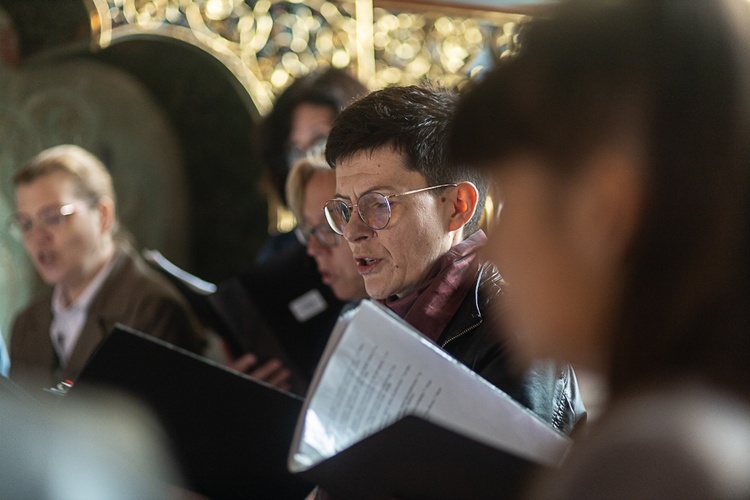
pixel 376 290
pixel 51 280
pixel 377 295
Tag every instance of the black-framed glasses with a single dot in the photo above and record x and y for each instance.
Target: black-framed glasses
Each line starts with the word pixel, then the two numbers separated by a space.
pixel 322 232
pixel 50 218
pixel 373 208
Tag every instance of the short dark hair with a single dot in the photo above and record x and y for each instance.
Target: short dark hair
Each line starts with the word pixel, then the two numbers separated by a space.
pixel 653 69
pixel 332 87
pixel 414 121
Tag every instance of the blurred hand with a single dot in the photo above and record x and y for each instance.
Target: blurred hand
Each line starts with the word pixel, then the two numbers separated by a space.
pixel 272 372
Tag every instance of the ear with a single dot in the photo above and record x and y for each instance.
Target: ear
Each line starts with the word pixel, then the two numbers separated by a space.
pixel 463 205
pixel 608 207
pixel 106 208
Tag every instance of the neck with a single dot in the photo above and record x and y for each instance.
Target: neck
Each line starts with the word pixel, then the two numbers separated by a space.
pixel 72 291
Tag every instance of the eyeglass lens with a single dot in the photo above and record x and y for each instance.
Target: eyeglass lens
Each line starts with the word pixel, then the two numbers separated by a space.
pixel 49 217
pixel 373 208
pixel 21 224
pixel 322 232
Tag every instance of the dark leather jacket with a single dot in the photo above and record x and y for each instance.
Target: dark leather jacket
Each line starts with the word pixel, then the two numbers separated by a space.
pixel 549 390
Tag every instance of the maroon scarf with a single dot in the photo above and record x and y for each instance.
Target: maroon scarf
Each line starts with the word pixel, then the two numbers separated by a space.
pixel 433 304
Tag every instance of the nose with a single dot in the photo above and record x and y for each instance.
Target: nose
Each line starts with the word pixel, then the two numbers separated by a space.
pixel 35 238
pixel 356 229
pixel 37 232
pixel 314 247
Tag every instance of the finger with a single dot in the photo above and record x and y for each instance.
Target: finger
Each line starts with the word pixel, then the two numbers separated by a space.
pixel 264 371
pixel 281 378
pixel 244 363
pixel 226 352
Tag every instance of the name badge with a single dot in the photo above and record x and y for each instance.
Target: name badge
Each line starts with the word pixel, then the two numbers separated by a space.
pixel 308 305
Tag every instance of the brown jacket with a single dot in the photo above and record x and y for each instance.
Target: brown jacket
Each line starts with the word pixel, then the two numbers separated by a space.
pixel 132 294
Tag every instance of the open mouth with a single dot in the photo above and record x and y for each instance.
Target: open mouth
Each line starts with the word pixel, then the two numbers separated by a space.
pixel 45 258
pixel 366 265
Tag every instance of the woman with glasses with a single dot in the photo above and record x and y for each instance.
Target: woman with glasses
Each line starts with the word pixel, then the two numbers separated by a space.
pixel 623 157
pixel 310 183
pixel 67 221
pixel 296 127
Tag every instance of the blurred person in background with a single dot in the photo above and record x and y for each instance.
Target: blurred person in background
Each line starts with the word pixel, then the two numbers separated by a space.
pixel 618 136
pixel 310 184
pixel 299 123
pixel 66 216
pixel 296 128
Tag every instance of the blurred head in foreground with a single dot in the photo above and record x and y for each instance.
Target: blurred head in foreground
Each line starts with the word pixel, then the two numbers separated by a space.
pixel 103 445
pixel 618 136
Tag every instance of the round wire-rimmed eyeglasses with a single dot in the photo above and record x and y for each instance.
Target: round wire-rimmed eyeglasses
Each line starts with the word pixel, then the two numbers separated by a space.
pixel 373 208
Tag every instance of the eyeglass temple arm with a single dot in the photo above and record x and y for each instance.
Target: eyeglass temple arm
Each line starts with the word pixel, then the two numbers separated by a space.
pixel 415 191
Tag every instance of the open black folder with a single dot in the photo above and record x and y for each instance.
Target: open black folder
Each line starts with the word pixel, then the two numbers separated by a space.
pixel 230 433
pixel 417 459
pixel 390 415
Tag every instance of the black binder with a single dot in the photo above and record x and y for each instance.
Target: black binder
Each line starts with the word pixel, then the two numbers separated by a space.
pixel 280 308
pixel 230 433
pixel 416 459
pixel 261 304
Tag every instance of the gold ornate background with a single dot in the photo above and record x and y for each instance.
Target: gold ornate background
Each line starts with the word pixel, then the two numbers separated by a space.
pixel 269 43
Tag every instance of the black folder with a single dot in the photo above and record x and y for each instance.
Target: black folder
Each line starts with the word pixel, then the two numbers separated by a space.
pixel 417 459
pixel 263 298
pixel 255 312
pixel 230 433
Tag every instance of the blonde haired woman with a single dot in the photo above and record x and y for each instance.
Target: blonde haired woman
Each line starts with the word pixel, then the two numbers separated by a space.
pixel 66 217
pixel 310 184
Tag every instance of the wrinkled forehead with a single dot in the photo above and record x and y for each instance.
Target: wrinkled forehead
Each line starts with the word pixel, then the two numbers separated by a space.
pixel 382 169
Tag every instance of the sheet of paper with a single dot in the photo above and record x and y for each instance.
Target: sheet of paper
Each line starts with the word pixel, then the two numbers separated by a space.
pixel 377 369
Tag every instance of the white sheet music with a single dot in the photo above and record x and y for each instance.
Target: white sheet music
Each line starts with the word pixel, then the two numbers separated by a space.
pixel 376 369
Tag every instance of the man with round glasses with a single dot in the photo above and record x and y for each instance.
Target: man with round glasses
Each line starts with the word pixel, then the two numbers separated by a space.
pixel 67 221
pixel 411 219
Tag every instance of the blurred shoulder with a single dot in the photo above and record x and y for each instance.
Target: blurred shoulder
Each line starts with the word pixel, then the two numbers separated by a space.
pixel 686 440
pixel 132 274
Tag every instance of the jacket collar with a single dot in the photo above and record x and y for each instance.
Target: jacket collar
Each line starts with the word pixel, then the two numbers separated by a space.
pixel 469 316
